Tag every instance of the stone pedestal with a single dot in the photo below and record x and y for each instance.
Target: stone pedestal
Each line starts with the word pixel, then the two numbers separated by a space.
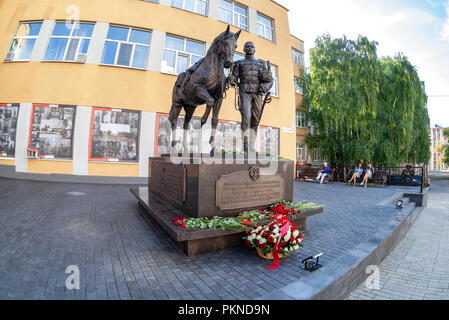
pixel 200 187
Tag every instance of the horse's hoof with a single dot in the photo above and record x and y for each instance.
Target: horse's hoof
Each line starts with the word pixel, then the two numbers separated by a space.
pixel 211 140
pixel 212 152
pixel 173 144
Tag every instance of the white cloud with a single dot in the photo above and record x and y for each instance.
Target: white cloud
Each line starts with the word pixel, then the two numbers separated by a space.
pixel 421 36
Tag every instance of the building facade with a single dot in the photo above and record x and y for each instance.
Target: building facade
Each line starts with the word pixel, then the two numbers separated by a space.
pixel 438 142
pixel 86 85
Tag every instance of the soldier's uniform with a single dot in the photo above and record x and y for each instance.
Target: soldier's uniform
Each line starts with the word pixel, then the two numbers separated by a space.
pixel 254 80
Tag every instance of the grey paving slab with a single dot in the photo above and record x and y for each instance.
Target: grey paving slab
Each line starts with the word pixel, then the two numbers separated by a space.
pixel 418 267
pixel 122 254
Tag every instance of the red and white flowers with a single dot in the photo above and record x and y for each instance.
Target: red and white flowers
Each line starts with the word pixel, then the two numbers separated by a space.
pixel 278 235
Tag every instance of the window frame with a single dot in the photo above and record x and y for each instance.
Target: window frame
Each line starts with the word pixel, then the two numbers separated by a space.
pixel 21 39
pixel 69 40
pixel 303 148
pixel 300 55
pixel 133 44
pixel 299 89
pixel 233 13
pixel 265 27
pixel 300 117
pixel 196 7
pixel 182 53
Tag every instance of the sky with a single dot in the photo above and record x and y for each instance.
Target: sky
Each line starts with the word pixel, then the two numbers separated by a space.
pixel 417 28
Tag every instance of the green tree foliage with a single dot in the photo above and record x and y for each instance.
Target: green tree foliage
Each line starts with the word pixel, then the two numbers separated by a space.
pixel 366 108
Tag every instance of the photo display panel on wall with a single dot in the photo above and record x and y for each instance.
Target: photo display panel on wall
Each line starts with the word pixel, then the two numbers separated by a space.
pixel 51 132
pixel 163 134
pixel 8 124
pixel 114 135
pixel 224 140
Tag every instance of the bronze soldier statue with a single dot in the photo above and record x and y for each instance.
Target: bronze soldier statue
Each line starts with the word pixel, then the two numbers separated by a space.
pixel 254 80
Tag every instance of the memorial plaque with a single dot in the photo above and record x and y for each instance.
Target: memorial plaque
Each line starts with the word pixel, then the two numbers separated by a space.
pixel 240 190
pixel 169 179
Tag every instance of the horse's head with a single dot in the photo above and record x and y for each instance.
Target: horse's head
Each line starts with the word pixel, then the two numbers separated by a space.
pixel 227 43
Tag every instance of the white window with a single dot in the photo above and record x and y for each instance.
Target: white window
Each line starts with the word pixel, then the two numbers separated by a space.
pixel 301 152
pixel 265 27
pixel 126 47
pixel 180 54
pixel 316 154
pixel 298 57
pixel 23 42
pixel 197 6
pixel 301 44
pixel 69 42
pixel 275 89
pixel 298 85
pixel 233 13
pixel 300 119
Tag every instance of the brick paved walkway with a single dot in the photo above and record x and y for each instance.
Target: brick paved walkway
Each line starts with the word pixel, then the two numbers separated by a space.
pixel 419 266
pixel 123 255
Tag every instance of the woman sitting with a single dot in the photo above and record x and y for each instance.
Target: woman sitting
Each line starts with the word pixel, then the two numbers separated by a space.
pixel 369 172
pixel 357 173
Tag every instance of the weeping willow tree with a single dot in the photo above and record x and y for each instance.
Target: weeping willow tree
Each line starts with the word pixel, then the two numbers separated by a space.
pixel 363 107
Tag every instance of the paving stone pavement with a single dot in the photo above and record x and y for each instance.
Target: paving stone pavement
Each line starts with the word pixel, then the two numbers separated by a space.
pixel 418 267
pixel 121 254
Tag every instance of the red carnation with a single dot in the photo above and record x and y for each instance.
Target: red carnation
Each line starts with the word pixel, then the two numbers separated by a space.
pixel 248 243
pixel 264 234
pixel 264 247
pixel 280 250
pixel 292 239
pixel 283 244
pixel 270 239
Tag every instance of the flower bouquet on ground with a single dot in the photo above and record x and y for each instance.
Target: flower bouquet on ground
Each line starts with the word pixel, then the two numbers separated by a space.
pixel 275 240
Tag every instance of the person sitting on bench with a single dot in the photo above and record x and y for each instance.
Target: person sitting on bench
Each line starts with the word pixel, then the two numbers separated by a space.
pixel 357 173
pixel 369 172
pixel 323 173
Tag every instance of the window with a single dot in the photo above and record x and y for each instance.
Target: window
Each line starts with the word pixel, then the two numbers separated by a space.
pixel 180 54
pixel 316 154
pixel 233 13
pixel 197 6
pixel 301 45
pixel 298 85
pixel 127 47
pixel 298 57
pixel 114 135
pixel 300 119
pixel 265 27
pixel 155 1
pixel 275 89
pixel 52 131
pixel 23 42
pixel 301 152
pixel 69 42
pixel 8 124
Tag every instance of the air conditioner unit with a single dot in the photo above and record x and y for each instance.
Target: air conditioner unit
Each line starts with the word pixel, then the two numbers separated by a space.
pixel 81 58
pixel 9 56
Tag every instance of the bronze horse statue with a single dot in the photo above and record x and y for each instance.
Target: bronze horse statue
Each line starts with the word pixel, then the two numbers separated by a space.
pixel 203 83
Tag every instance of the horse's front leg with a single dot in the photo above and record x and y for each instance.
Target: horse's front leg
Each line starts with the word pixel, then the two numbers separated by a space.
pixel 215 115
pixel 202 93
pixel 173 118
pixel 189 114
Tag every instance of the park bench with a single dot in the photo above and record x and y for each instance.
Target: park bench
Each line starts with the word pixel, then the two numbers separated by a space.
pixel 310 174
pixel 379 176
